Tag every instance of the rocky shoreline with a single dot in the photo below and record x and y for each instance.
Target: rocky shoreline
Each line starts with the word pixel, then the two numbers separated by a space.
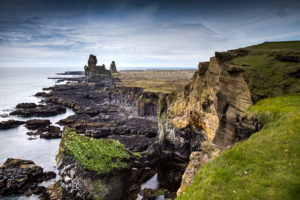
pixel 119 137
pixel 102 111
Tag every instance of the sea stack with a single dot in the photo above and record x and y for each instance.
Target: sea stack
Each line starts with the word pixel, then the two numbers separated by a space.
pixel 113 67
pixel 95 70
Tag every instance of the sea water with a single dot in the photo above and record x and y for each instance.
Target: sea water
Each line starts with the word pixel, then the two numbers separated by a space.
pixel 19 85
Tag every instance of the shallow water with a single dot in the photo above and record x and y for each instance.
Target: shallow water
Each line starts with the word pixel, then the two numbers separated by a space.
pixel 19 85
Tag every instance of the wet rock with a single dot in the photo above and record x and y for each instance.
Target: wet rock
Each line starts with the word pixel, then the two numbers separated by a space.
pixel 34 124
pixel 53 192
pixel 4 115
pixel 20 176
pixel 47 132
pixel 10 124
pixel 26 105
pixel 50 132
pixel 32 138
pixel 31 109
pixel 71 73
pixel 154 194
pixel 42 94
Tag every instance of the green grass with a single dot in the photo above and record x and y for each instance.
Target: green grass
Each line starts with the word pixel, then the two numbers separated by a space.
pixel 268 76
pixel 266 166
pixel 277 45
pixel 100 155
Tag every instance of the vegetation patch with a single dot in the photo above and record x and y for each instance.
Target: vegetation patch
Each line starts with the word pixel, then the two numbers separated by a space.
pixel 158 81
pixel 266 166
pixel 100 155
pixel 272 68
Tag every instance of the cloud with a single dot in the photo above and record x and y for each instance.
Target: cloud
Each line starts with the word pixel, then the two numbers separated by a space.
pixel 131 35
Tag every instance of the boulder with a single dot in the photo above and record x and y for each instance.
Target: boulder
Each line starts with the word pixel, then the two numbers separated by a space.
pixel 34 124
pixel 22 176
pixel 10 124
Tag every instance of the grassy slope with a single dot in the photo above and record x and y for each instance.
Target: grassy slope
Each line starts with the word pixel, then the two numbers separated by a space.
pixel 100 155
pixel 266 166
pixel 268 76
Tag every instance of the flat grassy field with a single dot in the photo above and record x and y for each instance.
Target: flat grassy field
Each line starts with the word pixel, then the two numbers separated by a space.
pixel 163 81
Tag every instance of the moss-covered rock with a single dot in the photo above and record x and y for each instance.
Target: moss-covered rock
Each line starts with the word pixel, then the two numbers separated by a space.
pixel 92 168
pixel 99 155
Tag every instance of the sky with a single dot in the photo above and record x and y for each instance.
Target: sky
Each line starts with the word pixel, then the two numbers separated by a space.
pixel 138 33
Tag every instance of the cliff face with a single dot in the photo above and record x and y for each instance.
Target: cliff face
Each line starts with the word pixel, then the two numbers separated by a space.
pixel 211 107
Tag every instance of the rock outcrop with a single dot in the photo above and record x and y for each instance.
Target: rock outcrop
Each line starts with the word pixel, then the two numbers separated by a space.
pixel 197 159
pixel 211 107
pixel 37 124
pixel 31 109
pixel 98 168
pixel 113 67
pixel 10 124
pixel 22 176
pixel 95 70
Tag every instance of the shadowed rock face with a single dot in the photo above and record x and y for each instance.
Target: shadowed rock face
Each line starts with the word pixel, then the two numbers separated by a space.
pixel 22 176
pixel 211 107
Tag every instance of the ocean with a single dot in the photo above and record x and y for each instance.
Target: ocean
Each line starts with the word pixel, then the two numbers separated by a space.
pixel 18 85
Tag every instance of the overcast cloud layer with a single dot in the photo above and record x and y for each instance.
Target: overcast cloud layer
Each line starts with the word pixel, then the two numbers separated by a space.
pixel 137 33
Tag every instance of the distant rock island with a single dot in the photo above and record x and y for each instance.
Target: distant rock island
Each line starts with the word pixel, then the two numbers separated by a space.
pixel 92 69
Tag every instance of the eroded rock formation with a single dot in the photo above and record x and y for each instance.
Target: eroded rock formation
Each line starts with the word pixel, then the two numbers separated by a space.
pixel 113 67
pixel 95 70
pixel 22 176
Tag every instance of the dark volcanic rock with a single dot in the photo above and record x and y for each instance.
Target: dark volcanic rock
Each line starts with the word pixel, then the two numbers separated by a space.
pixel 21 176
pixel 53 192
pixel 10 124
pixel 50 132
pixel 71 73
pixel 26 105
pixel 113 67
pixel 37 123
pixel 117 182
pixel 95 70
pixel 153 194
pixel 31 109
pixel 135 143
